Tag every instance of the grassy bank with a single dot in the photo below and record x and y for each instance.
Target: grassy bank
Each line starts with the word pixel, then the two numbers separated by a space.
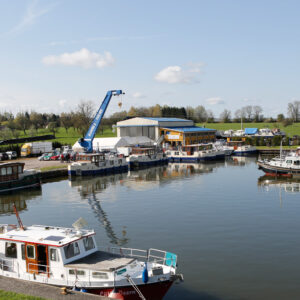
pixel 14 296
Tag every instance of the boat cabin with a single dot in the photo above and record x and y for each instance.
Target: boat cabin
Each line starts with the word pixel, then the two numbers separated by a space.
pixel 43 250
pixel 143 151
pixel 91 157
pixel 11 171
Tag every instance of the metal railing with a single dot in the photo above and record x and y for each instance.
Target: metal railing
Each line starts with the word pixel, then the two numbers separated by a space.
pixel 151 255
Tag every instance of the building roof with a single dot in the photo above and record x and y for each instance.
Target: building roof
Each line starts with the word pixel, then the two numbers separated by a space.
pixel 190 129
pixel 167 119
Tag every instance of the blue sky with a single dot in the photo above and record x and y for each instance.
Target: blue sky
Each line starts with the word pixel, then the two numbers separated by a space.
pixel 220 54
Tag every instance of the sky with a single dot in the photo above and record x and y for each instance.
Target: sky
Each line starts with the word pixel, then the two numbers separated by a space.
pixel 219 54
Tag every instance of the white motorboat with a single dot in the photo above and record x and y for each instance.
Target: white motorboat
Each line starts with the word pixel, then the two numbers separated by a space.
pixel 69 257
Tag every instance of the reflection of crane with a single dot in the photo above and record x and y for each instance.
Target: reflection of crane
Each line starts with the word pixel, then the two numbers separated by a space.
pixel 87 141
pixel 102 217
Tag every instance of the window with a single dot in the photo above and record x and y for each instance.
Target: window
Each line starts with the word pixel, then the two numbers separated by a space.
pixel 76 272
pixel 53 255
pixel 11 250
pixel 9 170
pixel 23 251
pixel 20 169
pixel 3 171
pixel 71 250
pixel 88 243
pixel 30 251
pixel 100 275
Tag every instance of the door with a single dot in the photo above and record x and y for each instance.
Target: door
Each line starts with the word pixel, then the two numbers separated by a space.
pixel 31 258
pixel 42 258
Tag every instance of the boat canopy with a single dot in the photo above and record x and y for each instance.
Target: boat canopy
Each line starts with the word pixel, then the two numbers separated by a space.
pixel 251 130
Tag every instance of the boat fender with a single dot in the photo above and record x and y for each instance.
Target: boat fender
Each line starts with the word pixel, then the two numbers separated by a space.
pixel 83 290
pixel 114 294
pixel 145 274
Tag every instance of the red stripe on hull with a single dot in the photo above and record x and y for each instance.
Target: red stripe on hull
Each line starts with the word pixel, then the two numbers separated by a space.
pixel 153 291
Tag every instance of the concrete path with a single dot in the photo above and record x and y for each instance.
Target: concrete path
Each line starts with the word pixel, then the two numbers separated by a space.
pixel 42 290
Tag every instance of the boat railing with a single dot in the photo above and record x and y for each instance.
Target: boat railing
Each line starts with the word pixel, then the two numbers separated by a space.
pixel 151 255
pixel 37 268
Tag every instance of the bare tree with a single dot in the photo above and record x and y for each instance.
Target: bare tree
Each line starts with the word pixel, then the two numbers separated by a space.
pixel 294 110
pixel 225 116
pixel 190 112
pixel 248 112
pixel 200 114
pixel 257 113
pixel 83 116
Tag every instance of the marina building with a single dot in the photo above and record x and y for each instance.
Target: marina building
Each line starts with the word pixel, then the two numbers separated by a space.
pixel 172 131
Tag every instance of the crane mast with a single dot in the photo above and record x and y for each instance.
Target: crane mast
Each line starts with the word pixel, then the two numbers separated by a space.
pixel 87 141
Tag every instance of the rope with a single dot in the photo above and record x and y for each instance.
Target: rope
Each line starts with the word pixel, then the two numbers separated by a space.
pixel 135 287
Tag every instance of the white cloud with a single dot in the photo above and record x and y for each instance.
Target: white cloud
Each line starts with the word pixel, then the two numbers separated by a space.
pixel 138 95
pixel 62 103
pixel 214 101
pixel 177 74
pixel 31 15
pixel 83 58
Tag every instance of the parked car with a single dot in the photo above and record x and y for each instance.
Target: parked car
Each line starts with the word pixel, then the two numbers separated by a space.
pixel 12 154
pixel 3 156
pixel 45 156
pixel 56 156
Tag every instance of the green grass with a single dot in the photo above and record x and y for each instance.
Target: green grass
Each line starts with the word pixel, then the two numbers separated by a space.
pixel 289 130
pixel 50 168
pixel 14 296
pixel 69 137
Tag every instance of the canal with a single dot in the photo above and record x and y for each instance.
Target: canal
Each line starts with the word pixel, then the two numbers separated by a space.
pixel 235 231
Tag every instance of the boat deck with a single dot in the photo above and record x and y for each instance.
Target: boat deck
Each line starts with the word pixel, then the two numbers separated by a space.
pixel 101 261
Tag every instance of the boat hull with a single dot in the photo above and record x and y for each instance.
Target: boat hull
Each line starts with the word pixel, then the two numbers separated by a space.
pixel 244 153
pixel 153 291
pixel 29 181
pixel 278 171
pixel 94 172
pixel 146 163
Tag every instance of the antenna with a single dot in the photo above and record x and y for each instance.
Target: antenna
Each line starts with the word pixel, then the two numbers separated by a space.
pixel 18 217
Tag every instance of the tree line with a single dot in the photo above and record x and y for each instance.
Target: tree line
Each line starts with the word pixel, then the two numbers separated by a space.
pixel 81 117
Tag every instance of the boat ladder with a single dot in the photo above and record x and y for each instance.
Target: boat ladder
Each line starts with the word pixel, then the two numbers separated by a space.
pixel 135 287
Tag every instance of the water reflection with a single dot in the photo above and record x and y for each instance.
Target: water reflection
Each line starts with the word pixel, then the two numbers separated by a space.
pixel 88 189
pixel 240 160
pixel 18 198
pixel 289 185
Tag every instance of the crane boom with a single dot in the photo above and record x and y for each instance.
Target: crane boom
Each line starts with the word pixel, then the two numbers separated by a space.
pixel 87 141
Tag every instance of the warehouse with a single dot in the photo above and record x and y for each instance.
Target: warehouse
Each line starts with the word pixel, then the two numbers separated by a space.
pixel 175 131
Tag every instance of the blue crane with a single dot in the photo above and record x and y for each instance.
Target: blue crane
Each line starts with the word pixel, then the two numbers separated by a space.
pixel 87 141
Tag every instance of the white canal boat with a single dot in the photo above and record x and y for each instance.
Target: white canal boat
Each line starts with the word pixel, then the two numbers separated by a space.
pixel 69 257
pixel 194 153
pixel 90 164
pixel 146 157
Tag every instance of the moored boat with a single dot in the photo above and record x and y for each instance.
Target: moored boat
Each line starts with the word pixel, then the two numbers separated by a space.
pixel 193 153
pixel 69 257
pixel 144 157
pixel 90 164
pixel 286 166
pixel 14 177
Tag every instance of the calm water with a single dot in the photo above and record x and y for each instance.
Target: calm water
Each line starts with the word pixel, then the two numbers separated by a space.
pixel 236 234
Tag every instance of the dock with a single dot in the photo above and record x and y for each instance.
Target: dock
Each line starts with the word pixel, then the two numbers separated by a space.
pixel 43 290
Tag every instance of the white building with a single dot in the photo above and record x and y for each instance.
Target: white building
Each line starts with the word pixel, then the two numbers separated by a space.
pixel 149 127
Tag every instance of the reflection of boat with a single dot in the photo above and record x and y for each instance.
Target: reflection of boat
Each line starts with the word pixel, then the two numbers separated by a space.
pixel 240 160
pixel 69 257
pixel 90 164
pixel 289 185
pixel 14 177
pixel 19 199
pixel 287 166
